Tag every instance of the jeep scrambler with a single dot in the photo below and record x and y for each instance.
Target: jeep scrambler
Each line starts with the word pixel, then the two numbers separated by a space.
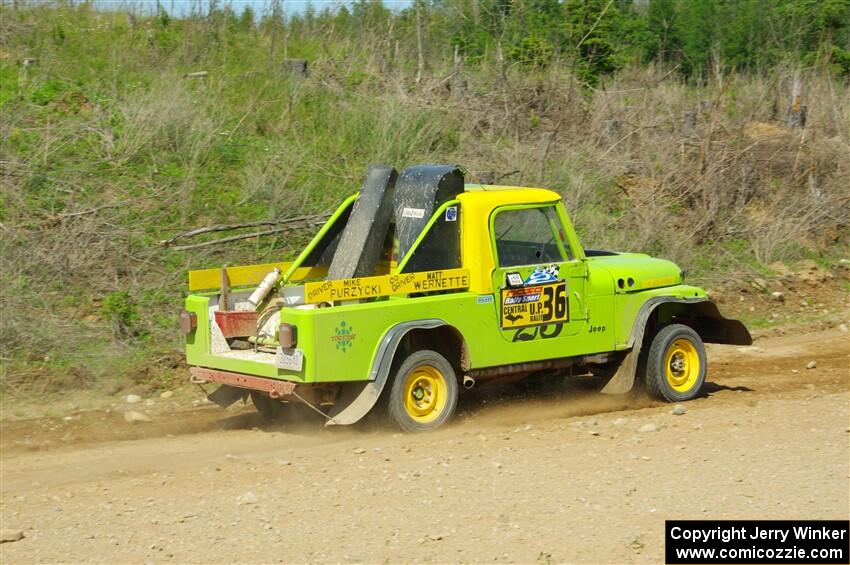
pixel 420 284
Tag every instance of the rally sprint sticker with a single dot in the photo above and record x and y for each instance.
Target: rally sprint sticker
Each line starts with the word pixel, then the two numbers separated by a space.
pixel 534 305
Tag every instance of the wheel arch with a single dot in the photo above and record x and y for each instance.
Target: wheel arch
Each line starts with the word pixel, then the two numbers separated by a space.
pixel 703 317
pixel 701 314
pixel 445 340
pixel 430 333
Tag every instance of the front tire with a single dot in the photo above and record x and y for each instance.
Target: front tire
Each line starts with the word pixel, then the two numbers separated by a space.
pixel 424 392
pixel 675 364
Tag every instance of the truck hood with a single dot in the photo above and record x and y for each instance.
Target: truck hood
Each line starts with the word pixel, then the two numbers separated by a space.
pixel 636 271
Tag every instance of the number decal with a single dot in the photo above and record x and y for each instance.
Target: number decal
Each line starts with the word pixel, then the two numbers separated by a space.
pixel 527 334
pixel 524 334
pixel 534 305
pixel 548 298
pixel 556 331
pixel 561 301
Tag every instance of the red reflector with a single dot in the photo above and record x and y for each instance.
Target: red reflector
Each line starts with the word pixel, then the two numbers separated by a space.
pixel 188 321
pixel 287 336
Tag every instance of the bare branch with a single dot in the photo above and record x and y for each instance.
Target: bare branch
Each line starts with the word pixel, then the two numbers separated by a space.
pixel 307 220
pixel 243 236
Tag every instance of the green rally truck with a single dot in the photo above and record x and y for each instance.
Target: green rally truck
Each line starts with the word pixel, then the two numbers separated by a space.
pixel 420 285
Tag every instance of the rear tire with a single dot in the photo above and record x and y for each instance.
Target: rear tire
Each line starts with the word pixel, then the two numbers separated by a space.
pixel 270 410
pixel 424 392
pixel 675 364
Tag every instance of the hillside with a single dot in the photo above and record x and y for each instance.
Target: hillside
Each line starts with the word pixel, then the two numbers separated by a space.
pixel 119 131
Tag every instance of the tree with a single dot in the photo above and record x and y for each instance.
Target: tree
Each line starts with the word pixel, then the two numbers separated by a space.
pixel 246 19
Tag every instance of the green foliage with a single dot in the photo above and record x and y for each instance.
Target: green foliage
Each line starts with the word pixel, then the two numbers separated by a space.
pixel 246 19
pixel 121 310
pixel 109 148
pixel 593 27
pixel 48 92
pixel 746 34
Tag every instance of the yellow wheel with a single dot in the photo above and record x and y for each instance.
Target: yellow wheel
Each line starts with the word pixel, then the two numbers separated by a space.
pixel 683 365
pixel 675 364
pixel 424 392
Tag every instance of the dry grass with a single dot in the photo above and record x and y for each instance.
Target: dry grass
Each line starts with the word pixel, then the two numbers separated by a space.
pixel 106 149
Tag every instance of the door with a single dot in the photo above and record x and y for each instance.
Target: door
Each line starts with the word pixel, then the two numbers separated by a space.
pixel 538 281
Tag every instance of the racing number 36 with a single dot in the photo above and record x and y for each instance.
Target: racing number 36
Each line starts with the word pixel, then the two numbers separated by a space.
pixel 534 305
pixel 556 295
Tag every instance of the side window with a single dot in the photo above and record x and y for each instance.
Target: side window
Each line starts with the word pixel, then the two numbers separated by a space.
pixel 530 236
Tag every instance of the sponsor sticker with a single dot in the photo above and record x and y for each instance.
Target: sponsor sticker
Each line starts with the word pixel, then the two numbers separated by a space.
pixel 486 299
pixel 543 274
pixel 513 279
pixel 413 213
pixel 451 214
pixel 534 305
pixel 343 337
pixel 289 359
pixel 524 295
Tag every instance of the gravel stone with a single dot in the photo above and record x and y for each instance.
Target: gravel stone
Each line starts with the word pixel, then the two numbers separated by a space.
pixel 134 417
pixel 11 535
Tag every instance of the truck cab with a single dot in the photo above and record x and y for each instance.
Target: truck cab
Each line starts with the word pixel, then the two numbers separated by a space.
pixel 421 284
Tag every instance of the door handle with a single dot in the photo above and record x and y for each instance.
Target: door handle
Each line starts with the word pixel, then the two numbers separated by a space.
pixel 582 306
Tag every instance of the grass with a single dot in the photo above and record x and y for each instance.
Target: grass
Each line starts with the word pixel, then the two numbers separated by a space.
pixel 108 148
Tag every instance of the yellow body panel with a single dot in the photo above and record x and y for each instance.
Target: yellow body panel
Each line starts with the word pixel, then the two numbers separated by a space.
pixel 248 275
pixel 476 248
pixel 252 275
pixel 386 285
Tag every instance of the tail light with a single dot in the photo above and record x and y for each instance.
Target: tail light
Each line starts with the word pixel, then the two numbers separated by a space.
pixel 188 322
pixel 287 336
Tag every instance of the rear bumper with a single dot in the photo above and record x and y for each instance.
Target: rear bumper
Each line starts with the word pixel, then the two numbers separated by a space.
pixel 275 388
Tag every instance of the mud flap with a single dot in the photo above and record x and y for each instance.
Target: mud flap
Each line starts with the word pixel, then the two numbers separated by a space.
pixel 356 400
pixel 624 379
pixel 225 395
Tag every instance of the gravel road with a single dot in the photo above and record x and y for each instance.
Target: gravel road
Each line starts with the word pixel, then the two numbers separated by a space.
pixel 565 476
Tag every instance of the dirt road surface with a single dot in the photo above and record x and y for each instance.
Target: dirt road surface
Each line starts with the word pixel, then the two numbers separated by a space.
pixel 566 476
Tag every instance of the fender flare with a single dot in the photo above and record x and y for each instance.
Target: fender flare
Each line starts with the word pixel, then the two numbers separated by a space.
pixel 357 399
pixel 729 331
